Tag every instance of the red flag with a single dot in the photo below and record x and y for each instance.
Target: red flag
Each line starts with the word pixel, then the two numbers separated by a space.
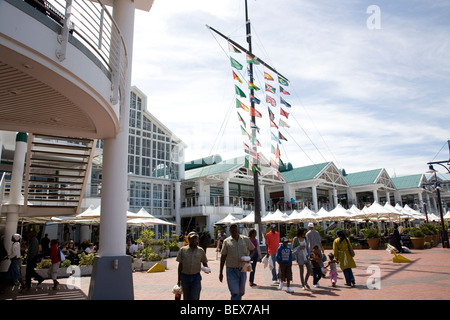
pixel 284 113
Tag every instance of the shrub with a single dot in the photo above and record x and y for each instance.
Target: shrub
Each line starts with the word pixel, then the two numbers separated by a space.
pixel 371 233
pixel 44 264
pixel 416 233
pixel 65 264
pixel 86 259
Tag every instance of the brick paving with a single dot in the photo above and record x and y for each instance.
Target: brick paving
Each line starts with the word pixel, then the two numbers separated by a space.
pixel 426 278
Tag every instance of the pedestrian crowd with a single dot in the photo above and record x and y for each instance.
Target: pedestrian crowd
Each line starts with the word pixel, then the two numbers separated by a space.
pixel 240 255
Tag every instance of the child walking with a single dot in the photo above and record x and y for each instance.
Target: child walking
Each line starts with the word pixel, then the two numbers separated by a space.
pixel 333 270
pixel 54 256
pixel 316 258
pixel 284 259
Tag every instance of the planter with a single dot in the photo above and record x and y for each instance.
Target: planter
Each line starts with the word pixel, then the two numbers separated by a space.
pixel 148 264
pixel 357 247
pixel 428 238
pixel 418 243
pixel 173 254
pixel 62 273
pixel 373 243
pixel 137 264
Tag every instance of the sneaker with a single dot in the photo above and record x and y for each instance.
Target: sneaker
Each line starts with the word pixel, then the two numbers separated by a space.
pixel 307 287
pixel 274 282
pixel 316 285
pixel 280 286
pixel 289 290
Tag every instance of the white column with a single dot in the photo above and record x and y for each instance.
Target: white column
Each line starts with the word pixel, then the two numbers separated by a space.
pixel 226 192
pixel 115 153
pixel 388 197
pixel 263 199
pixel 375 195
pixel 314 198
pixel 178 206
pixel 12 217
pixel 335 197
pixel 419 196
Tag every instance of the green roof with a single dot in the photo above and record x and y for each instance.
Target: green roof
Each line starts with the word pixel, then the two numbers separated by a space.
pixel 363 178
pixel 218 168
pixel 304 173
pixel 407 182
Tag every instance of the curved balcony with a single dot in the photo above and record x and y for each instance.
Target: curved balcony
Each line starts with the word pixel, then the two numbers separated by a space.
pixel 62 68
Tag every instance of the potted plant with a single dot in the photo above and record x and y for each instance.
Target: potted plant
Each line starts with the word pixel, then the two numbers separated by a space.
pixel 356 245
pixel 373 238
pixel 86 263
pixel 417 238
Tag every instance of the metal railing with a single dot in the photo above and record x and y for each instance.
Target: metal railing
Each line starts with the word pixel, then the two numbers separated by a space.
pixel 93 25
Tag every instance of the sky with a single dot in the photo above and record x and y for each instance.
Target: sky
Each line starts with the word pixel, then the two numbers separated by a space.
pixel 368 80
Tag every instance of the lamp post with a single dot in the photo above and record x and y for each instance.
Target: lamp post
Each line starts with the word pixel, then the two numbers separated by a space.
pixel 437 187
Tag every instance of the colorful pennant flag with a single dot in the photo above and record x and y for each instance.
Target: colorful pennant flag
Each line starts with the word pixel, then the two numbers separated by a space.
pixel 251 85
pixel 235 64
pixel 241 119
pixel 252 60
pixel 239 104
pixel 254 126
pixel 232 48
pixel 270 88
pixel 254 99
pixel 255 113
pixel 239 91
pixel 274 164
pixel 283 81
pixel 235 77
pixel 284 124
pixel 284 102
pixel 271 101
pixel 284 113
pixel 274 137
pixel 271 114
pixel 284 91
pixel 268 76
pixel 273 125
pixel 281 136
pixel 244 132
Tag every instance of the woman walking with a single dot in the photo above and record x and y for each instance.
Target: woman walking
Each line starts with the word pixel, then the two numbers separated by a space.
pixel 301 252
pixel 344 253
pixel 255 258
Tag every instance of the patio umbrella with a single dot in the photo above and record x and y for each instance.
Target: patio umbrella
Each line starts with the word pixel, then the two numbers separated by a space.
pixel 149 222
pixel 276 217
pixel 250 219
pixel 322 215
pixel 229 219
pixel 447 216
pixel 338 214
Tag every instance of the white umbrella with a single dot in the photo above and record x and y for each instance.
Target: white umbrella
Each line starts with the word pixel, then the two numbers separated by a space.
pixel 248 219
pixel 322 214
pixel 447 216
pixel 150 222
pixel 229 219
pixel 376 210
pixel 276 217
pixel 338 214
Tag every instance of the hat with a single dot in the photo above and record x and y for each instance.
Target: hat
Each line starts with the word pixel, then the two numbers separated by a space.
pixel 310 225
pixel 192 234
pixel 284 239
pixel 273 225
pixel 16 237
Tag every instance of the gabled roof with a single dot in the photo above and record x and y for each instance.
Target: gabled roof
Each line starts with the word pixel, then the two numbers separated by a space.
pixel 304 173
pixel 408 182
pixel 218 168
pixel 363 177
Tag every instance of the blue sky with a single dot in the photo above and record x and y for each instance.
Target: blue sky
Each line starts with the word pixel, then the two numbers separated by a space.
pixel 363 96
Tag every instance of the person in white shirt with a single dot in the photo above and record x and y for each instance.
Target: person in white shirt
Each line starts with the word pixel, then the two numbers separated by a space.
pixel 13 271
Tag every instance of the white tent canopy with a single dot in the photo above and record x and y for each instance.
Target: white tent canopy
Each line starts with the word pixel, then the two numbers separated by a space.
pixel 338 214
pixel 250 219
pixel 276 217
pixel 229 219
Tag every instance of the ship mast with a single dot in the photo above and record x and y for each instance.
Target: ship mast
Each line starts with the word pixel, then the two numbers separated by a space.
pixel 256 190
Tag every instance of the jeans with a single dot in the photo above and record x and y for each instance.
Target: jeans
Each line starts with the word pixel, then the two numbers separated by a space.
pixel 254 261
pixel 348 274
pixel 191 285
pixel 275 274
pixel 317 275
pixel 31 273
pixel 236 283
pixel 304 278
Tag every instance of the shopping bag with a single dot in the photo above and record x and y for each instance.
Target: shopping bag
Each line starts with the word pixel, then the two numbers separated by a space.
pixel 265 261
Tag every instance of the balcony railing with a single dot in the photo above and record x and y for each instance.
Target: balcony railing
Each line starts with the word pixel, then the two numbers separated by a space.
pixel 92 24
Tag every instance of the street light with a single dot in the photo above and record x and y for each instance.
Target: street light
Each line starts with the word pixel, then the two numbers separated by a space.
pixel 437 187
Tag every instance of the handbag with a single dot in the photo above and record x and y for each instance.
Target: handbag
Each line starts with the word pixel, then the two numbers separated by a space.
pixel 62 257
pixel 350 249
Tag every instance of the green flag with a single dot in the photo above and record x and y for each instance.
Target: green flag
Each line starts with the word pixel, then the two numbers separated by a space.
pixel 235 64
pixel 239 91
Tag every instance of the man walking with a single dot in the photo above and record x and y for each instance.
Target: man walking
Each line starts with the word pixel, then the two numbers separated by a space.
pixel 32 260
pixel 190 259
pixel 234 248
pixel 272 244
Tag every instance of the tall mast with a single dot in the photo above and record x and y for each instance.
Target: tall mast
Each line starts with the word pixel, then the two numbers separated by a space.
pixel 256 192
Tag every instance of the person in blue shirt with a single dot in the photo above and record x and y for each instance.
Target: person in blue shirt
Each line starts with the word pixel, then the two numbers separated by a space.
pixel 284 259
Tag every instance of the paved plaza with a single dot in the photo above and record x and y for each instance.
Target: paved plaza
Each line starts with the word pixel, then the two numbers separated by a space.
pixel 427 277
